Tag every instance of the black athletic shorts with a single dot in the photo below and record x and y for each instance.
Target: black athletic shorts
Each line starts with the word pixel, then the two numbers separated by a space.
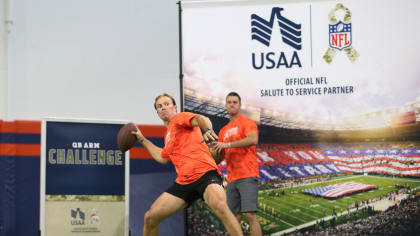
pixel 193 191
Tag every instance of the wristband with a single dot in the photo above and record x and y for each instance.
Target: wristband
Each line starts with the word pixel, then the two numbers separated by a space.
pixel 229 145
pixel 142 140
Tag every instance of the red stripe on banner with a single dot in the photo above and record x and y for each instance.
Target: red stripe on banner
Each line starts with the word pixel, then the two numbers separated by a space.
pixel 152 130
pixel 28 150
pixel 20 127
pixel 7 149
pixel 139 153
pixel 34 127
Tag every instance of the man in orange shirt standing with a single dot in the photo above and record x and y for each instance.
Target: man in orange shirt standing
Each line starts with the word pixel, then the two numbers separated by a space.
pixel 198 174
pixel 238 140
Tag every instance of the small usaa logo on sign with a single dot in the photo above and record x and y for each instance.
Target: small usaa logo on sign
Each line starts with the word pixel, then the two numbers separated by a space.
pixel 81 224
pixel 77 217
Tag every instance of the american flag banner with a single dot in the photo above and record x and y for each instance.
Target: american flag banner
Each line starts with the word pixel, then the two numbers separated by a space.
pixel 396 161
pixel 338 190
pixel 290 156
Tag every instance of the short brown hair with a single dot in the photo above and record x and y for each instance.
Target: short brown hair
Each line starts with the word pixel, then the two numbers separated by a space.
pixel 233 94
pixel 164 95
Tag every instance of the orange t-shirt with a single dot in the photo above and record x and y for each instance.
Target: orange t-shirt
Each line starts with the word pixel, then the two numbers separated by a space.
pixel 241 162
pixel 184 148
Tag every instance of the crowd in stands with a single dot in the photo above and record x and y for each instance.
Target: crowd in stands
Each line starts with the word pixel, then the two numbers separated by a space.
pixel 290 183
pixel 201 221
pixel 397 220
pixel 394 158
pixel 288 165
pixel 401 219
pixel 366 145
pixel 290 161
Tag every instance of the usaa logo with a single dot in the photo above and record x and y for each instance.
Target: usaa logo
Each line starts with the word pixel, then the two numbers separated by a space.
pixel 77 217
pixel 291 35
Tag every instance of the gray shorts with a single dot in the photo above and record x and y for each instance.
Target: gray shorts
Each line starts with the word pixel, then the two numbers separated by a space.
pixel 242 195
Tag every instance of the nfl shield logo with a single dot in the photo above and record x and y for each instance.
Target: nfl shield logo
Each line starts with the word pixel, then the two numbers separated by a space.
pixel 340 35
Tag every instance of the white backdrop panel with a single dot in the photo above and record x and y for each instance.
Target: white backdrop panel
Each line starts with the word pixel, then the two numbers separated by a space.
pixel 218 51
pixel 103 59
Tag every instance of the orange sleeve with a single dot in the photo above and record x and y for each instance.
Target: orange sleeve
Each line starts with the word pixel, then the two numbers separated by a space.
pixel 249 126
pixel 184 119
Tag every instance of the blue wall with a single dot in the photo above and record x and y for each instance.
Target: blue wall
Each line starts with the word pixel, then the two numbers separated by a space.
pixel 19 195
pixel 148 179
pixel 20 181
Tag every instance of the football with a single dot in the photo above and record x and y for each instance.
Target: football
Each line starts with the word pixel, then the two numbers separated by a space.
pixel 218 157
pixel 125 138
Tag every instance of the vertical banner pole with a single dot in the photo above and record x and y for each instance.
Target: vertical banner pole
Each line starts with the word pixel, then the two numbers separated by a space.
pixel 181 89
pixel 181 71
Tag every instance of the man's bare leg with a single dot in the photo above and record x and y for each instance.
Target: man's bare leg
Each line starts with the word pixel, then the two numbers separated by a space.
pixel 163 207
pixel 238 216
pixel 215 197
pixel 255 228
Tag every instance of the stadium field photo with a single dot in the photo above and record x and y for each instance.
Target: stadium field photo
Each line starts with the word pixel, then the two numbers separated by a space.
pixel 282 209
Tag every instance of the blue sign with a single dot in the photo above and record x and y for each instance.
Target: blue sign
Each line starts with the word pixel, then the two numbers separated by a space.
pixel 83 159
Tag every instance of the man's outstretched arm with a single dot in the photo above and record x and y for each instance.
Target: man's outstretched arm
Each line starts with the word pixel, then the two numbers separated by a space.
pixel 155 151
pixel 250 139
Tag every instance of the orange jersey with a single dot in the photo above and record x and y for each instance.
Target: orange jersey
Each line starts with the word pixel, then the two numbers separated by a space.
pixel 184 147
pixel 241 162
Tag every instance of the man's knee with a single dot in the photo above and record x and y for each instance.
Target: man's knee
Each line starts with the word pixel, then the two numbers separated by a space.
pixel 151 219
pixel 251 217
pixel 220 208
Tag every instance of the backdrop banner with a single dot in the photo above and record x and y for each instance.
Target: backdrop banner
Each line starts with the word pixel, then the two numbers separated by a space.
pixel 84 188
pixel 313 64
pixel 324 80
